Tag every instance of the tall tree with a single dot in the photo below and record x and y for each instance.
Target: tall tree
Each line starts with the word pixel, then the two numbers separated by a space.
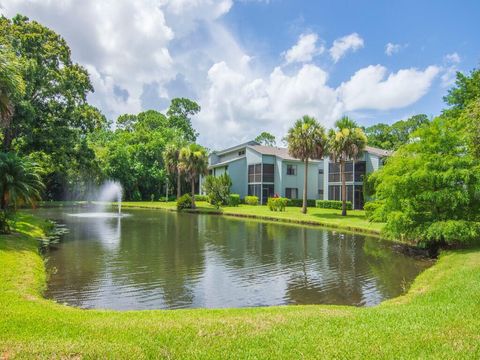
pixel 391 137
pixel 306 140
pixel 171 157
pixel 12 87
pixel 265 138
pixel 179 116
pixel 20 183
pixel 193 163
pixel 466 90
pixel 53 115
pixel 346 142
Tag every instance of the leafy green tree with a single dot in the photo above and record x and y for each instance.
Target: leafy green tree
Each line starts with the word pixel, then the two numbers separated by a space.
pixel 12 86
pixel 430 188
pixel 466 90
pixel 218 189
pixel 306 140
pixel 265 138
pixel 179 116
pixel 53 115
pixel 346 142
pixel 20 183
pixel 171 158
pixel 133 154
pixel 391 137
pixel 193 163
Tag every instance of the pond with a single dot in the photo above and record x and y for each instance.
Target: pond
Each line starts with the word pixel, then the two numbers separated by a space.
pixel 153 259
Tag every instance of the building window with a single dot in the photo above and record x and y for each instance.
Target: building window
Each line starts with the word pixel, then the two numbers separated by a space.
pixel 320 193
pixel 320 171
pixel 360 170
pixel 255 173
pixel 291 193
pixel 291 169
pixel 241 152
pixel 334 174
pixel 255 190
pixel 268 173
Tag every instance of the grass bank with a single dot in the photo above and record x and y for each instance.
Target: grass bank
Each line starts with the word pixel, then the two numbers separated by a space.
pixel 355 221
pixel 438 318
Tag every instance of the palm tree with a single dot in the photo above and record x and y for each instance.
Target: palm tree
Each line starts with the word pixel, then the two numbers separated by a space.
pixel 171 157
pixel 193 163
pixel 20 183
pixel 346 142
pixel 306 140
pixel 12 87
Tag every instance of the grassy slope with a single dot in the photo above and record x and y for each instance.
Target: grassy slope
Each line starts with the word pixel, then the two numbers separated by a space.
pixel 355 221
pixel 438 318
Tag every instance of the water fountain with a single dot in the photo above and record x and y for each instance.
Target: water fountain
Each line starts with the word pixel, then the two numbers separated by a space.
pixel 108 192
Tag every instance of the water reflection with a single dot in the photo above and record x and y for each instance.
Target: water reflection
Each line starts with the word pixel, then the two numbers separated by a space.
pixel 155 259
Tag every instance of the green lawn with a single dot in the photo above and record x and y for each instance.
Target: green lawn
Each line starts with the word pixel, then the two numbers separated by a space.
pixel 438 318
pixel 354 221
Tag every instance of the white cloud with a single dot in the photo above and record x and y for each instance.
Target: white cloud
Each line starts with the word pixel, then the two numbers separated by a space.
pixel 391 48
pixel 452 58
pixel 341 46
pixel 370 88
pixel 129 44
pixel 305 49
pixel 172 47
pixel 450 69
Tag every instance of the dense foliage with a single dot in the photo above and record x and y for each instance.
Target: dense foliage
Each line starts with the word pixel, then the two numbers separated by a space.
pixel 251 200
pixel 20 184
pixel 51 117
pixel 391 137
pixel 429 190
pixel 277 203
pixel 332 204
pixel 184 202
pixel 218 189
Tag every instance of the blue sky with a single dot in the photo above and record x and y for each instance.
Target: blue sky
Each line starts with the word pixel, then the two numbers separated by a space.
pixel 259 65
pixel 426 31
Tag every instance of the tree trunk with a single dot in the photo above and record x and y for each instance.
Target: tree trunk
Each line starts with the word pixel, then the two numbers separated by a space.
pixel 7 140
pixel 193 193
pixel 305 182
pixel 179 185
pixel 344 188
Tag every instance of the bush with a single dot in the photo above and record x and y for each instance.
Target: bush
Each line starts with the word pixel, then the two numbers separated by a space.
pixel 218 189
pixel 251 200
pixel 277 204
pixel 234 200
pixel 184 202
pixel 170 198
pixel 332 204
pixel 374 211
pixel 299 202
pixel 201 198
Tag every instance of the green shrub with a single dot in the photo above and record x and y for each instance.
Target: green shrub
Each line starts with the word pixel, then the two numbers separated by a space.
pixel 332 204
pixel 251 200
pixel 184 202
pixel 277 204
pixel 234 200
pixel 170 198
pixel 201 198
pixel 218 189
pixel 374 211
pixel 299 202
